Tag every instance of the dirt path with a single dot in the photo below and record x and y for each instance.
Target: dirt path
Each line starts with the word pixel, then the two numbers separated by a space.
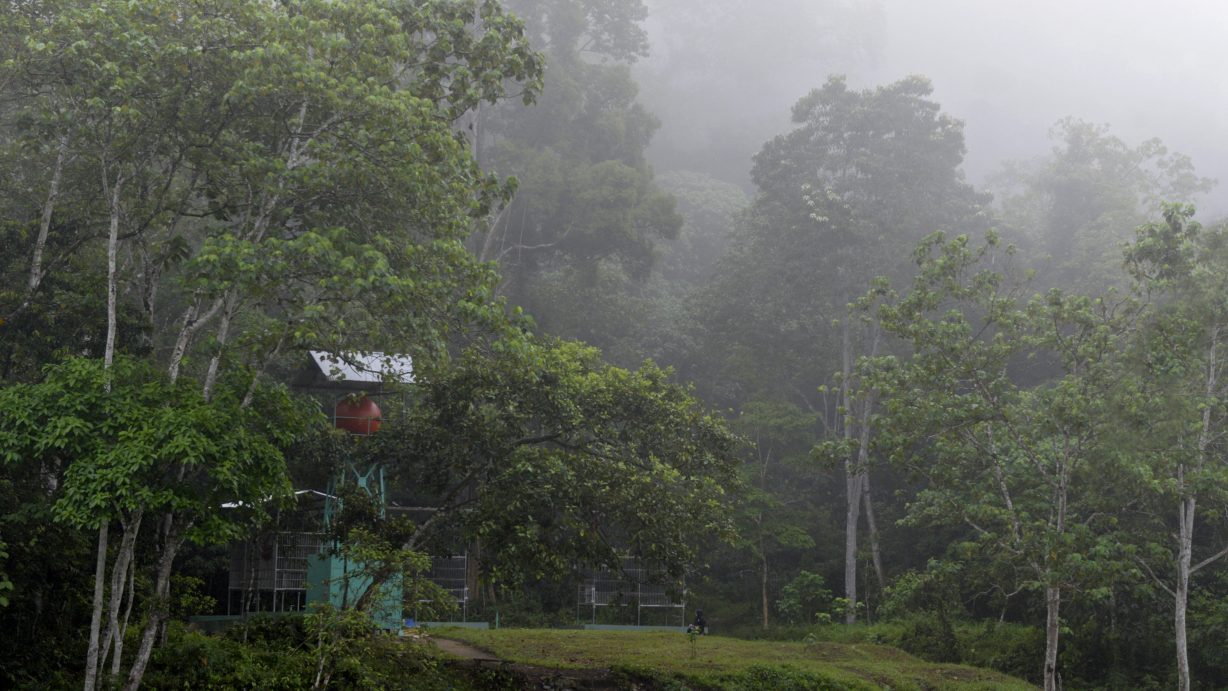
pixel 462 650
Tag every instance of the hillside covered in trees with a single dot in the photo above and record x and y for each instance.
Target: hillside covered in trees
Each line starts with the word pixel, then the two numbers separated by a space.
pixel 749 337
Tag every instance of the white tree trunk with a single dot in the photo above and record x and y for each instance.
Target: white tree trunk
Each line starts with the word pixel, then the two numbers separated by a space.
pixel 1186 514
pixel 1053 627
pixel 1053 592
pixel 117 661
pixel 112 277
pixel 100 572
pixel 223 334
pixel 158 608
pixel 119 577
pixel 100 569
pixel 852 483
pixel 44 228
pixel 763 581
pixel 1181 593
pixel 872 527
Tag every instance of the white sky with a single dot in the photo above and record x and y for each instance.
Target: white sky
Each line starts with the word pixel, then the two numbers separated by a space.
pixel 1011 68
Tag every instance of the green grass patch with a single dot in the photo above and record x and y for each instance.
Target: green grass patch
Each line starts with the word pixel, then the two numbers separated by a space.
pixel 729 663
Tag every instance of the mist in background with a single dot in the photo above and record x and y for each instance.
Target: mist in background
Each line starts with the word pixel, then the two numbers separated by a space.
pixel 723 74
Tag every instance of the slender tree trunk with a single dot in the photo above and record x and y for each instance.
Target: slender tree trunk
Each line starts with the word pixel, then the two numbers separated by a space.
pixel 763 581
pixel 119 577
pixel 158 608
pixel 858 487
pixel 872 526
pixel 852 483
pixel 764 460
pixel 192 320
pixel 1053 603
pixel 1053 591
pixel 321 658
pixel 112 277
pixel 117 661
pixel 100 571
pixel 44 229
pixel 1182 592
pixel 223 334
pixel 1186 515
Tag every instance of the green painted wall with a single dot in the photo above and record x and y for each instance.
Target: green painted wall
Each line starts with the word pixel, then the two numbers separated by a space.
pixel 327 582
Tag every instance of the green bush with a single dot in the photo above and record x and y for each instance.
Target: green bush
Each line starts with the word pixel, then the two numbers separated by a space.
pixel 280 653
pixel 783 678
pixel 1013 649
pixel 805 599
pixel 271 631
pixel 931 638
pixel 193 660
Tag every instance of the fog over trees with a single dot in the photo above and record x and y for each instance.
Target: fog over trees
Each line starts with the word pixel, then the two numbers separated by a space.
pixel 869 321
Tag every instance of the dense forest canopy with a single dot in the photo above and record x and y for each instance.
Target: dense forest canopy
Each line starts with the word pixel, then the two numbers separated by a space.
pixel 730 291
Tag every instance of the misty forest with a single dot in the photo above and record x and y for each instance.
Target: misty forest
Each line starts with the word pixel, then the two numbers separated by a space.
pixel 701 344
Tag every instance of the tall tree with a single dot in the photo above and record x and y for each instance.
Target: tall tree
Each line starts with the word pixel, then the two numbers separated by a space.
pixel 559 459
pixel 1076 205
pixel 1011 458
pixel 779 437
pixel 582 231
pixel 258 177
pixel 862 173
pixel 1178 405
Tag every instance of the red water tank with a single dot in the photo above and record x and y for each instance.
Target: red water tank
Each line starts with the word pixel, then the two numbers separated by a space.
pixel 359 416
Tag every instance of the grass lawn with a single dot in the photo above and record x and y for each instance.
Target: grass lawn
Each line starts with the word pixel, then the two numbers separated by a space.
pixel 730 663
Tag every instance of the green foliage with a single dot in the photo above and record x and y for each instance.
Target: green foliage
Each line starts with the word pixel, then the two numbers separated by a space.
pixel 275 176
pixel 270 631
pixel 579 240
pixel 931 639
pixel 47 564
pixel 709 208
pixel 1209 621
pixel 1018 461
pixel 115 433
pixel 607 28
pixel 1175 406
pixel 805 599
pixel 312 178
pixel 284 653
pixel 785 678
pixel 188 598
pixel 560 460
pixel 192 660
pixel 6 585
pixel 831 213
pixel 1080 202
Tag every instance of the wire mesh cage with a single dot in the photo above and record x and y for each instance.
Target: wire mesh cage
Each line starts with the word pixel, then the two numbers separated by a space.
pixel 452 574
pixel 269 573
pixel 634 585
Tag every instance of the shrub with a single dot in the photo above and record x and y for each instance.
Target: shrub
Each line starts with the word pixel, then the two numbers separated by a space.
pixel 280 653
pixel 782 678
pixel 805 599
pixel 193 660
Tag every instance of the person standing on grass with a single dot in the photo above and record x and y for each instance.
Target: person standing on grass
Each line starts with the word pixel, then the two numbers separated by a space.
pixel 700 625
